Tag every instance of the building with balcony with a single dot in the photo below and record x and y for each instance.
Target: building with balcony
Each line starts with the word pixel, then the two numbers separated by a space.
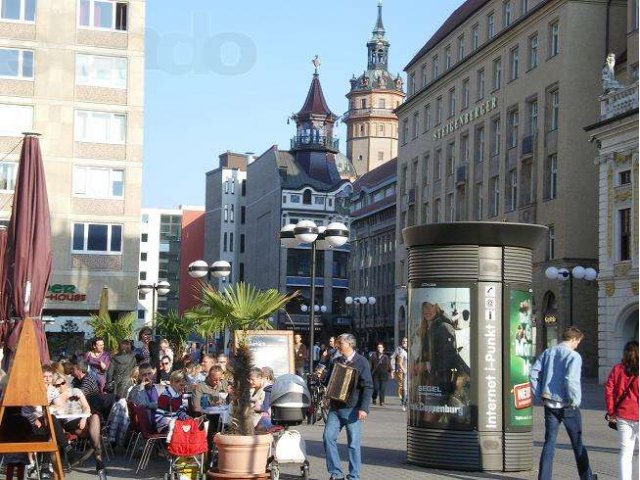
pixel 372 124
pixel 310 181
pixel 616 136
pixel 492 129
pixel 74 72
pixel 372 258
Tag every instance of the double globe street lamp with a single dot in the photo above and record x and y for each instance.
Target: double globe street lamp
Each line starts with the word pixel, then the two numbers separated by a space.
pixel 578 272
pixel 333 235
pixel 161 288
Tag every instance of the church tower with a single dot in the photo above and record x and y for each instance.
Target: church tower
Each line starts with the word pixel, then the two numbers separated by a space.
pixel 372 126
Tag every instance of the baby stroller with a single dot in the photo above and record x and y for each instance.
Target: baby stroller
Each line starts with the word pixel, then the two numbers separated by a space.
pixel 290 400
pixel 187 445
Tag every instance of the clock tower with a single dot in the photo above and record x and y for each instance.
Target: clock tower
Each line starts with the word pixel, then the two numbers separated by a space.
pixel 372 125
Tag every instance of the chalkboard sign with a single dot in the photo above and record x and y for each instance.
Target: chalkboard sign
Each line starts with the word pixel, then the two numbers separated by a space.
pixel 271 348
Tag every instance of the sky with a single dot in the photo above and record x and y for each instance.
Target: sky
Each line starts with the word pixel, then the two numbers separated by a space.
pixel 225 75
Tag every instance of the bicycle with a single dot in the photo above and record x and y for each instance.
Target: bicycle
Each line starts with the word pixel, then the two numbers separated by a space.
pixel 319 407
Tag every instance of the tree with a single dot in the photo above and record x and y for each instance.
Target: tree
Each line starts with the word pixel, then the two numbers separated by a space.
pixel 112 332
pixel 238 308
pixel 176 329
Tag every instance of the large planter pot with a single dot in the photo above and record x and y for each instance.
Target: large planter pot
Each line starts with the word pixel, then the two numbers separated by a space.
pixel 243 454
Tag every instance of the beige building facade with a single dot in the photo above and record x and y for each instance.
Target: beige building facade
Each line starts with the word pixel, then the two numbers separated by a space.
pixel 73 71
pixel 492 130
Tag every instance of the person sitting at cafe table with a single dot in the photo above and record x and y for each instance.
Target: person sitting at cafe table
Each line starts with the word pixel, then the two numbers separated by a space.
pixel 171 403
pixel 206 362
pixel 207 393
pixel 164 372
pixel 70 402
pixel 145 392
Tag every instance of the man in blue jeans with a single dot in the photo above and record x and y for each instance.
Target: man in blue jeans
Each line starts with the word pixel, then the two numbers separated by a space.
pixel 555 380
pixel 349 415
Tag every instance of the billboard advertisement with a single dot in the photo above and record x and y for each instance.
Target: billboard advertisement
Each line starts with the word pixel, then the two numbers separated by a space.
pixel 440 357
pixel 520 357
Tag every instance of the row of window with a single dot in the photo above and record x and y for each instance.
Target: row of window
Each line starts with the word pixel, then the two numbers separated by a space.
pixel 229 214
pixel 307 198
pixel 374 129
pixel 91 70
pixel 228 242
pixel 230 186
pixel 553 48
pixel 373 197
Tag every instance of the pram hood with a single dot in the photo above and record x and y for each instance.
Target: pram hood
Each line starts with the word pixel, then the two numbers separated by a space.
pixel 290 391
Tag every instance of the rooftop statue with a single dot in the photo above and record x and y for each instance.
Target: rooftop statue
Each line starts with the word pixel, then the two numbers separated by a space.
pixel 609 82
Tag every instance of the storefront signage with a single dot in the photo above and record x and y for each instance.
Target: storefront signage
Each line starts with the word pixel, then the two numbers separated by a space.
pixel 440 389
pixel 465 118
pixel 65 293
pixel 491 357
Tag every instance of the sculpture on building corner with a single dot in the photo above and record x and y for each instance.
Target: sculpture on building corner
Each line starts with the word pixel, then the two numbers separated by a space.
pixel 609 82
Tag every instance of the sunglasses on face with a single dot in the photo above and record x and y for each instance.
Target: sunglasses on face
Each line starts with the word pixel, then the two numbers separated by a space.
pixel 60 384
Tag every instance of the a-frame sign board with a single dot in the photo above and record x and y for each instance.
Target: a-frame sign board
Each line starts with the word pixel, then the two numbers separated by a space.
pixel 26 388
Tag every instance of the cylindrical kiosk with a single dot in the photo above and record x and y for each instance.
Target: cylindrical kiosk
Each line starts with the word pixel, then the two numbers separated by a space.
pixel 470 345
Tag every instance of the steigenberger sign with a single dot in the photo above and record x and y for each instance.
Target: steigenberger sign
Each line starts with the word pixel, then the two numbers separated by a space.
pixel 465 118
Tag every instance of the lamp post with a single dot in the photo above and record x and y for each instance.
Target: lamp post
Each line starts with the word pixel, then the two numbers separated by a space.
pixel 360 301
pixel 333 235
pixel 200 269
pixel 161 288
pixel 578 272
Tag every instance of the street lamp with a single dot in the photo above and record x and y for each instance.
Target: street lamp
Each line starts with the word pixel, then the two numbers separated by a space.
pixel 161 288
pixel 333 235
pixel 360 301
pixel 578 272
pixel 316 308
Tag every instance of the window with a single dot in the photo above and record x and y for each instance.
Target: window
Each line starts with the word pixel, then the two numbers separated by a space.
pixel 451 207
pixel 532 108
pixel 226 186
pixel 514 60
pixel 233 186
pixel 226 213
pixel 15 119
pixel 554 98
pixel 99 71
pixel 512 190
pixel 415 127
pixel 143 275
pixel 243 188
pixel 231 242
pixel 414 172
pixel 295 198
pixel 224 241
pixel 306 197
pixel 464 148
pixel 105 14
pixel 100 127
pixel 381 129
pixel 232 215
pixel 405 130
pixel 412 86
pixel 624 177
pixel 554 39
pixel 533 51
pixel 144 218
pixel 144 238
pixel 97 238
pixel 363 101
pixel 495 136
pixel 636 14
pixel 20 10
pixel 437 211
pixel 447 57
pixel 478 201
pixel 494 191
pixel 425 168
pixel 423 75
pixel 465 93
pixel 524 7
pixel 551 243
pixel 512 134
pixel 497 73
pixel 16 64
pixel 452 102
pixel 437 165
pixel 475 37
pixel 435 73
pixel 491 27
pixel 143 256
pixel 426 213
pixel 427 117
pixel 243 215
pixel 380 156
pixel 318 200
pixel 624 219
pixel 507 13
pixel 551 177
pixel 451 160
pixel 8 172
pixel 460 47
pixel 480 84
pixel 479 145
pixel 98 182
pixel 438 110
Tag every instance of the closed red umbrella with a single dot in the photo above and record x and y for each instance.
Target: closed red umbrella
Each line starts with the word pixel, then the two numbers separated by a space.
pixel 28 257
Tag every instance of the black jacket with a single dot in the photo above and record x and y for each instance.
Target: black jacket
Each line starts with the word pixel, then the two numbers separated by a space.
pixel 380 365
pixel 361 396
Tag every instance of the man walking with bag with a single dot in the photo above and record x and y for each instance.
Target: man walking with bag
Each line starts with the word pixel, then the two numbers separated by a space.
pixel 399 368
pixel 555 380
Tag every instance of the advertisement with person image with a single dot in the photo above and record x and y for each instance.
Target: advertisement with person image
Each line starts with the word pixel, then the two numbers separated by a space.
pixel 440 349
pixel 521 356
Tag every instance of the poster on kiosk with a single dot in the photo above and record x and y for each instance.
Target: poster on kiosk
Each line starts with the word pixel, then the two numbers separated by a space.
pixel 440 320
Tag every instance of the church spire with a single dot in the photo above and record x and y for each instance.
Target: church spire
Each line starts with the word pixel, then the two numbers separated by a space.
pixel 378 30
pixel 378 46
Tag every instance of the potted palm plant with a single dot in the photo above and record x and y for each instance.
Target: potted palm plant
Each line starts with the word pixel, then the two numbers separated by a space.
pixel 239 308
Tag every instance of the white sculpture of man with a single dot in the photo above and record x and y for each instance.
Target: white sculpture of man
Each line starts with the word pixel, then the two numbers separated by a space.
pixel 609 81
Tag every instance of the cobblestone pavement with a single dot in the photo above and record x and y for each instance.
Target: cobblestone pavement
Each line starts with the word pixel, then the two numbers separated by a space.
pixel 384 447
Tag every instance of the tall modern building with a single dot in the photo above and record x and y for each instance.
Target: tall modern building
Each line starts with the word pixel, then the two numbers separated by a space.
pixel 615 133
pixel 307 182
pixel 492 129
pixel 372 256
pixel 372 124
pixel 74 72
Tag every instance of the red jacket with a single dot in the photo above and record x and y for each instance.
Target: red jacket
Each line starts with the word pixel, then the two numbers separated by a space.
pixel 616 384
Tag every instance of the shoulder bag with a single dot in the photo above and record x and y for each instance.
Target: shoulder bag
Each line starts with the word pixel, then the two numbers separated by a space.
pixel 614 424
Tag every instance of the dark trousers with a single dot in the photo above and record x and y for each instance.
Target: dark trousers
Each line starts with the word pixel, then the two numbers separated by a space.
pixel 572 420
pixel 379 387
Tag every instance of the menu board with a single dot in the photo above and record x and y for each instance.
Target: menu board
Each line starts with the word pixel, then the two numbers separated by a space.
pixel 271 348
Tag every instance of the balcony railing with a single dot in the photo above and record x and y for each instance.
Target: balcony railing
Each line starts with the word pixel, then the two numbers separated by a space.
pixel 461 174
pixel 527 144
pixel 364 112
pixel 313 141
pixel 620 101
